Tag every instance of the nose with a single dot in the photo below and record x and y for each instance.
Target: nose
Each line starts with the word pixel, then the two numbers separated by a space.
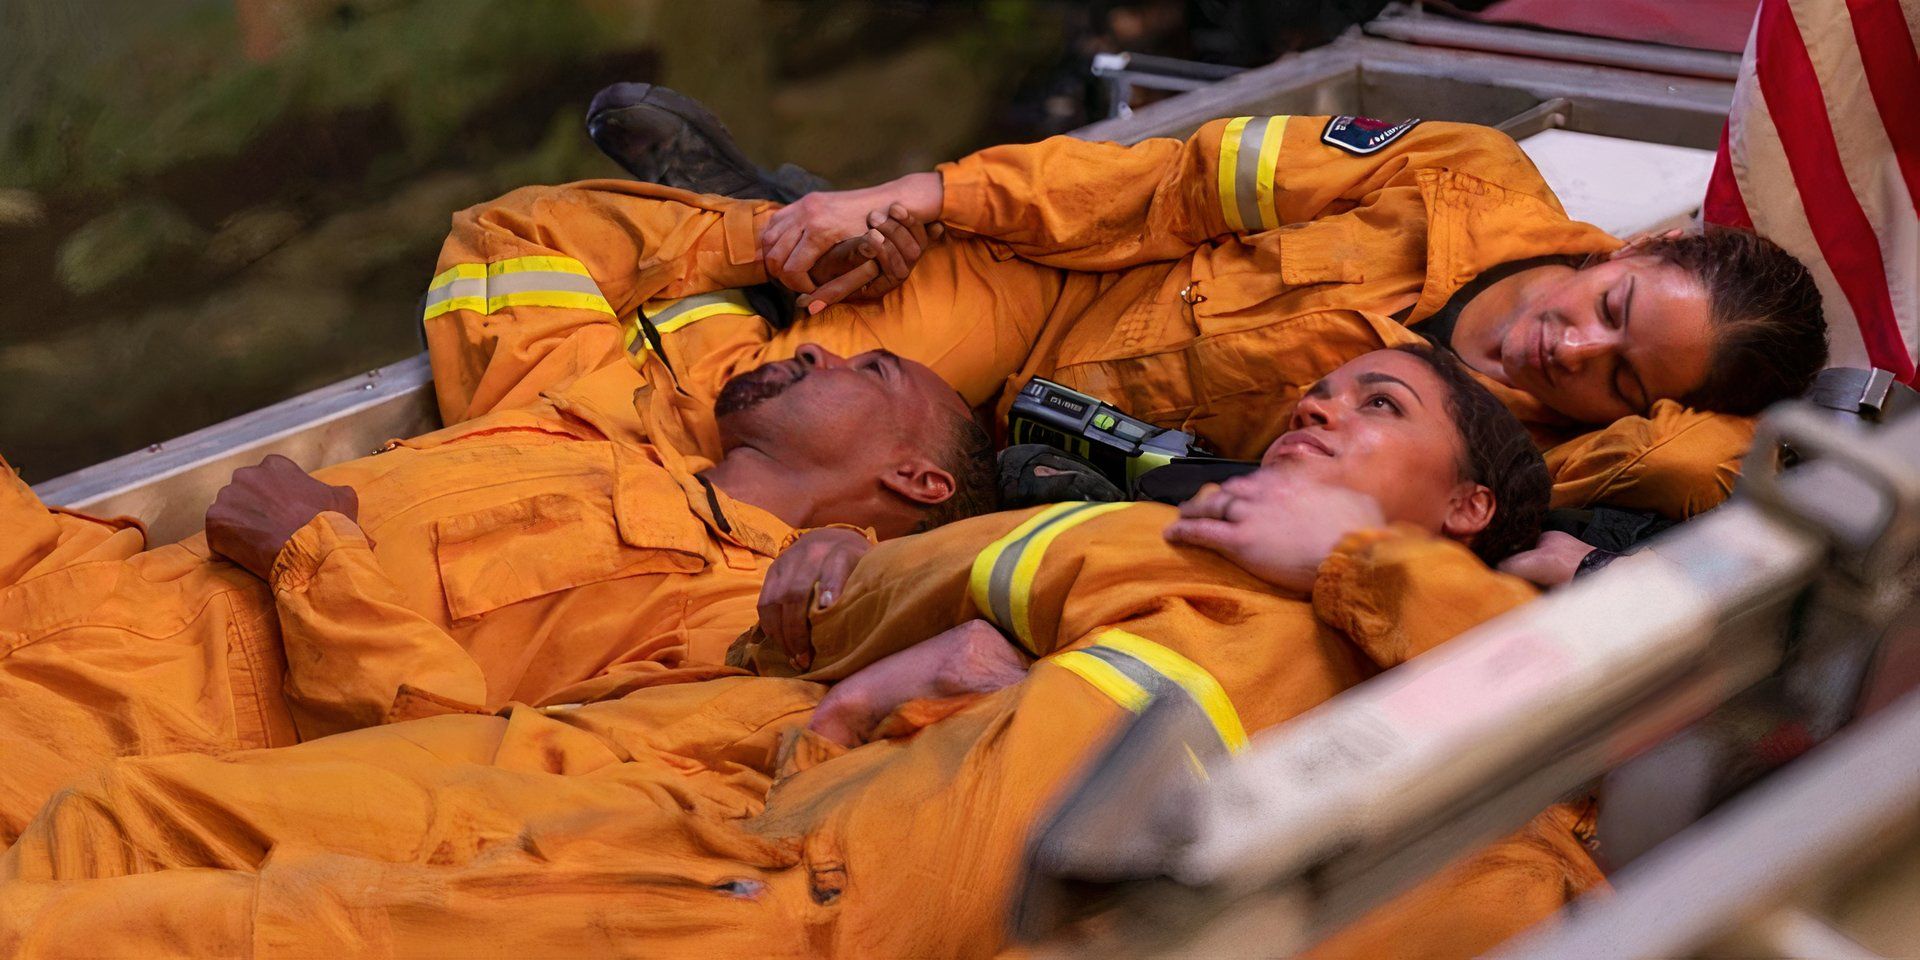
pixel 1311 411
pixel 815 355
pixel 1581 345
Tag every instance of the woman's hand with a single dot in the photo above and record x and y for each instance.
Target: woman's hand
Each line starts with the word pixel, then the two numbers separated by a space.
pixel 1277 529
pixel 1552 562
pixel 806 576
pixel 798 235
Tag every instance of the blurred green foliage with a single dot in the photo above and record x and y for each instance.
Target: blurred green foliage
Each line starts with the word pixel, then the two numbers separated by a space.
pixel 182 91
pixel 207 206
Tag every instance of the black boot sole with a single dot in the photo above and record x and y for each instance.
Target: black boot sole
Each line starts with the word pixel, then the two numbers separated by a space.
pixel 638 125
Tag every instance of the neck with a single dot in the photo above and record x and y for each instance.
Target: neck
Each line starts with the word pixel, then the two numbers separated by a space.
pixel 1485 319
pixel 749 476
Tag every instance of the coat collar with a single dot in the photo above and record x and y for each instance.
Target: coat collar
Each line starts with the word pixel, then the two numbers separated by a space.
pixel 1474 225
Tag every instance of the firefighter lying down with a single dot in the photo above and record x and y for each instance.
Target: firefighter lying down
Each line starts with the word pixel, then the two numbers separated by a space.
pixel 750 810
pixel 700 807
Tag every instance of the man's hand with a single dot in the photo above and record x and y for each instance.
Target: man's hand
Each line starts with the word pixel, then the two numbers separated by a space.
pixel 970 658
pixel 868 266
pixel 799 234
pixel 1277 529
pixel 1552 562
pixel 255 515
pixel 807 575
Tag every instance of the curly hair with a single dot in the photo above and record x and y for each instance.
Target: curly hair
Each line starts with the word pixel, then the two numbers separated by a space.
pixel 1770 337
pixel 1499 455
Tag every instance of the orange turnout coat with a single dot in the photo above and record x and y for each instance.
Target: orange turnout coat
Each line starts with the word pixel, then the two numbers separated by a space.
pixel 1202 284
pixel 509 558
pixel 700 819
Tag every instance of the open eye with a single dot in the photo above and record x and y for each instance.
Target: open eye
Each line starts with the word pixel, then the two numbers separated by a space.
pixel 1381 401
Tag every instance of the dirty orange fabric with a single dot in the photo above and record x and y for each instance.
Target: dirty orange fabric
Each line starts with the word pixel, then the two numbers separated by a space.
pixel 699 819
pixel 509 558
pixel 1122 272
pixel 46 539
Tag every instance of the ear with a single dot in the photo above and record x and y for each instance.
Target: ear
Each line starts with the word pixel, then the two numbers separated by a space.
pixel 1469 512
pixel 919 480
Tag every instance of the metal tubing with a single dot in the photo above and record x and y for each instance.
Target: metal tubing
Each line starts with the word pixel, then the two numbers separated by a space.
pixel 1813 819
pixel 1443 32
pixel 169 486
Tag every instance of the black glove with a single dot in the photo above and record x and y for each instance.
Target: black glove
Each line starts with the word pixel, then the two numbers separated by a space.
pixel 1034 473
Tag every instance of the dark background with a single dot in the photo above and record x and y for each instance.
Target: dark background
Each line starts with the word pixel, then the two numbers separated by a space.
pixel 207 206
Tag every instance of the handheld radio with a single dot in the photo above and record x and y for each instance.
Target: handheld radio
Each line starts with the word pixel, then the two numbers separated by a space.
pixel 1122 447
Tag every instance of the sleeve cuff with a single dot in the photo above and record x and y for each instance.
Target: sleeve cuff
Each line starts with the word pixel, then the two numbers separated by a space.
pixel 741 226
pixel 963 196
pixel 793 535
pixel 1342 597
pixel 309 547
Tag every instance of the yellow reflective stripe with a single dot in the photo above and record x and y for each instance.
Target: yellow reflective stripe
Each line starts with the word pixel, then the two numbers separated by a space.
pixel 476 304
pixel 979 582
pixel 1105 678
pixel 635 343
pixel 519 264
pixel 1029 564
pixel 701 313
pixel 519 282
pixel 459 271
pixel 1227 166
pixel 1269 160
pixel 1199 684
pixel 477 271
pixel 527 298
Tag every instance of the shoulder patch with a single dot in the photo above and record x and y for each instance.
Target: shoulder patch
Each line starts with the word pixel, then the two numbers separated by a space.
pixel 1363 135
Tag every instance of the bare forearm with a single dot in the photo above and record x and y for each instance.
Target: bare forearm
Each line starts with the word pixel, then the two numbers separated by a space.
pixel 970 658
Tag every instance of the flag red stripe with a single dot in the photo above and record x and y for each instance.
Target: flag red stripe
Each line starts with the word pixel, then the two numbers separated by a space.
pixel 1893 74
pixel 1723 204
pixel 1839 224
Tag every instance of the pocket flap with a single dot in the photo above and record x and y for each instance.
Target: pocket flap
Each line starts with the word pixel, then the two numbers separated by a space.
pixel 540 545
pixel 1322 251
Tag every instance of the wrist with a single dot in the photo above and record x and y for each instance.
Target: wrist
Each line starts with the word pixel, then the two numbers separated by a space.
pixel 301 555
pixel 923 194
pixel 983 664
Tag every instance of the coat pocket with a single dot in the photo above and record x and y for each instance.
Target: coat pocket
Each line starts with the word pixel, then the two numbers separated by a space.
pixel 536 546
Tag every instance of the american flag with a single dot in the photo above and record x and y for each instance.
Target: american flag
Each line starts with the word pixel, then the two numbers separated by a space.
pixel 1822 155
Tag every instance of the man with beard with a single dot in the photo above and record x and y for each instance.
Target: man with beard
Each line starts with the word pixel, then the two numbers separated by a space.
pixel 521 556
pixel 703 819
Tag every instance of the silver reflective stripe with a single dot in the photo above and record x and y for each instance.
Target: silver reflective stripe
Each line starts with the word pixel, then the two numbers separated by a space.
pixel 476 287
pixel 1000 582
pixel 1155 683
pixel 1246 173
pixel 507 283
